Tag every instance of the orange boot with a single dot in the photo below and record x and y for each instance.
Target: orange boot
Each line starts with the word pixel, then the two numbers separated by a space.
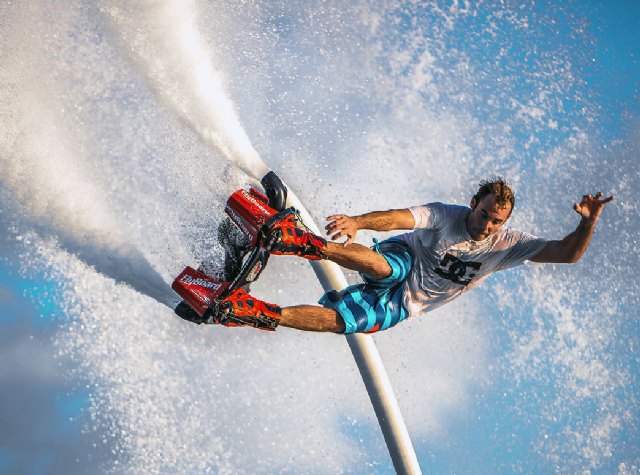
pixel 242 309
pixel 237 310
pixel 284 237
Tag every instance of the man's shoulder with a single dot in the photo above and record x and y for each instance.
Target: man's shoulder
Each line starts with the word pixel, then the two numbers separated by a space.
pixel 507 237
pixel 448 207
pixel 457 208
pixel 454 213
pixel 436 215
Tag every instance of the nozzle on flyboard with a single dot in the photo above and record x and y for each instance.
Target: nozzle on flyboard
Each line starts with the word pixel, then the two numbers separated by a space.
pixel 273 187
pixel 275 190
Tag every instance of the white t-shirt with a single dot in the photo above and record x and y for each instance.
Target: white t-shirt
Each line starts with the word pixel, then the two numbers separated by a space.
pixel 447 262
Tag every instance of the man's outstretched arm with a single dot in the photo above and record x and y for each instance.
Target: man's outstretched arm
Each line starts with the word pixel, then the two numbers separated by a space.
pixel 341 225
pixel 573 246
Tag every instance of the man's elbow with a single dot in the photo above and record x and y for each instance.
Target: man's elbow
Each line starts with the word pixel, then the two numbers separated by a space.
pixel 574 257
pixel 559 258
pixel 572 254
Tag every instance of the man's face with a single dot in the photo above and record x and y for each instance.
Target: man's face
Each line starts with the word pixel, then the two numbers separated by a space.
pixel 485 218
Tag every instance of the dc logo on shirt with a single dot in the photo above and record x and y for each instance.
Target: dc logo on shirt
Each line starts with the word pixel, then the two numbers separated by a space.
pixel 456 270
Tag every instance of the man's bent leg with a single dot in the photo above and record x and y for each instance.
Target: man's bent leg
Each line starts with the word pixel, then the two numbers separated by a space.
pixel 312 318
pixel 359 258
pixel 285 238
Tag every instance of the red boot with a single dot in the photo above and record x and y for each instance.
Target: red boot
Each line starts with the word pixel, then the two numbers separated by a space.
pixel 286 238
pixel 241 309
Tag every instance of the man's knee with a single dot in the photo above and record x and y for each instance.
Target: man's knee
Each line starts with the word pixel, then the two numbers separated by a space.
pixel 360 258
pixel 380 269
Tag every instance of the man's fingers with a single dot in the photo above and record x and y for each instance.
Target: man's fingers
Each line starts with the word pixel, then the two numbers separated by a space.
pixel 335 230
pixel 341 234
pixel 598 197
pixel 591 206
pixel 340 226
pixel 334 220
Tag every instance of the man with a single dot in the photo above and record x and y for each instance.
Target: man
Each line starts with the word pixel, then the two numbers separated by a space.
pixel 451 249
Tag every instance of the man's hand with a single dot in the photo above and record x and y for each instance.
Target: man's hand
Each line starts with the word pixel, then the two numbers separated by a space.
pixel 591 206
pixel 341 226
pixel 574 245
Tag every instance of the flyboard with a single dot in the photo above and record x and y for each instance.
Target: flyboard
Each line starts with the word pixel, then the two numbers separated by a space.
pixel 243 236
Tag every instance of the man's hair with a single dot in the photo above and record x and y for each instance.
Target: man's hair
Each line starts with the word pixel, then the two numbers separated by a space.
pixel 498 187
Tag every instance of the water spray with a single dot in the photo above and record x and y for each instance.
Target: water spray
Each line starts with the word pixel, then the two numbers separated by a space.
pixel 164 39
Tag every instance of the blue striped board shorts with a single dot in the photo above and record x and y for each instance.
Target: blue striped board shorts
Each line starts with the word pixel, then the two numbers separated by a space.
pixel 375 304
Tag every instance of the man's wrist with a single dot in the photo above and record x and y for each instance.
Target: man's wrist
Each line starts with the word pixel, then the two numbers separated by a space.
pixel 588 222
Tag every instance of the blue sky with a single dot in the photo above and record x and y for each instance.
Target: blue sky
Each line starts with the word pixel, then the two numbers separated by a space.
pixel 500 427
pixel 43 408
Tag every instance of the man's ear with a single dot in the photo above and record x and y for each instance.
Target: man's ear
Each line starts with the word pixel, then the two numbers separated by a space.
pixel 474 202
